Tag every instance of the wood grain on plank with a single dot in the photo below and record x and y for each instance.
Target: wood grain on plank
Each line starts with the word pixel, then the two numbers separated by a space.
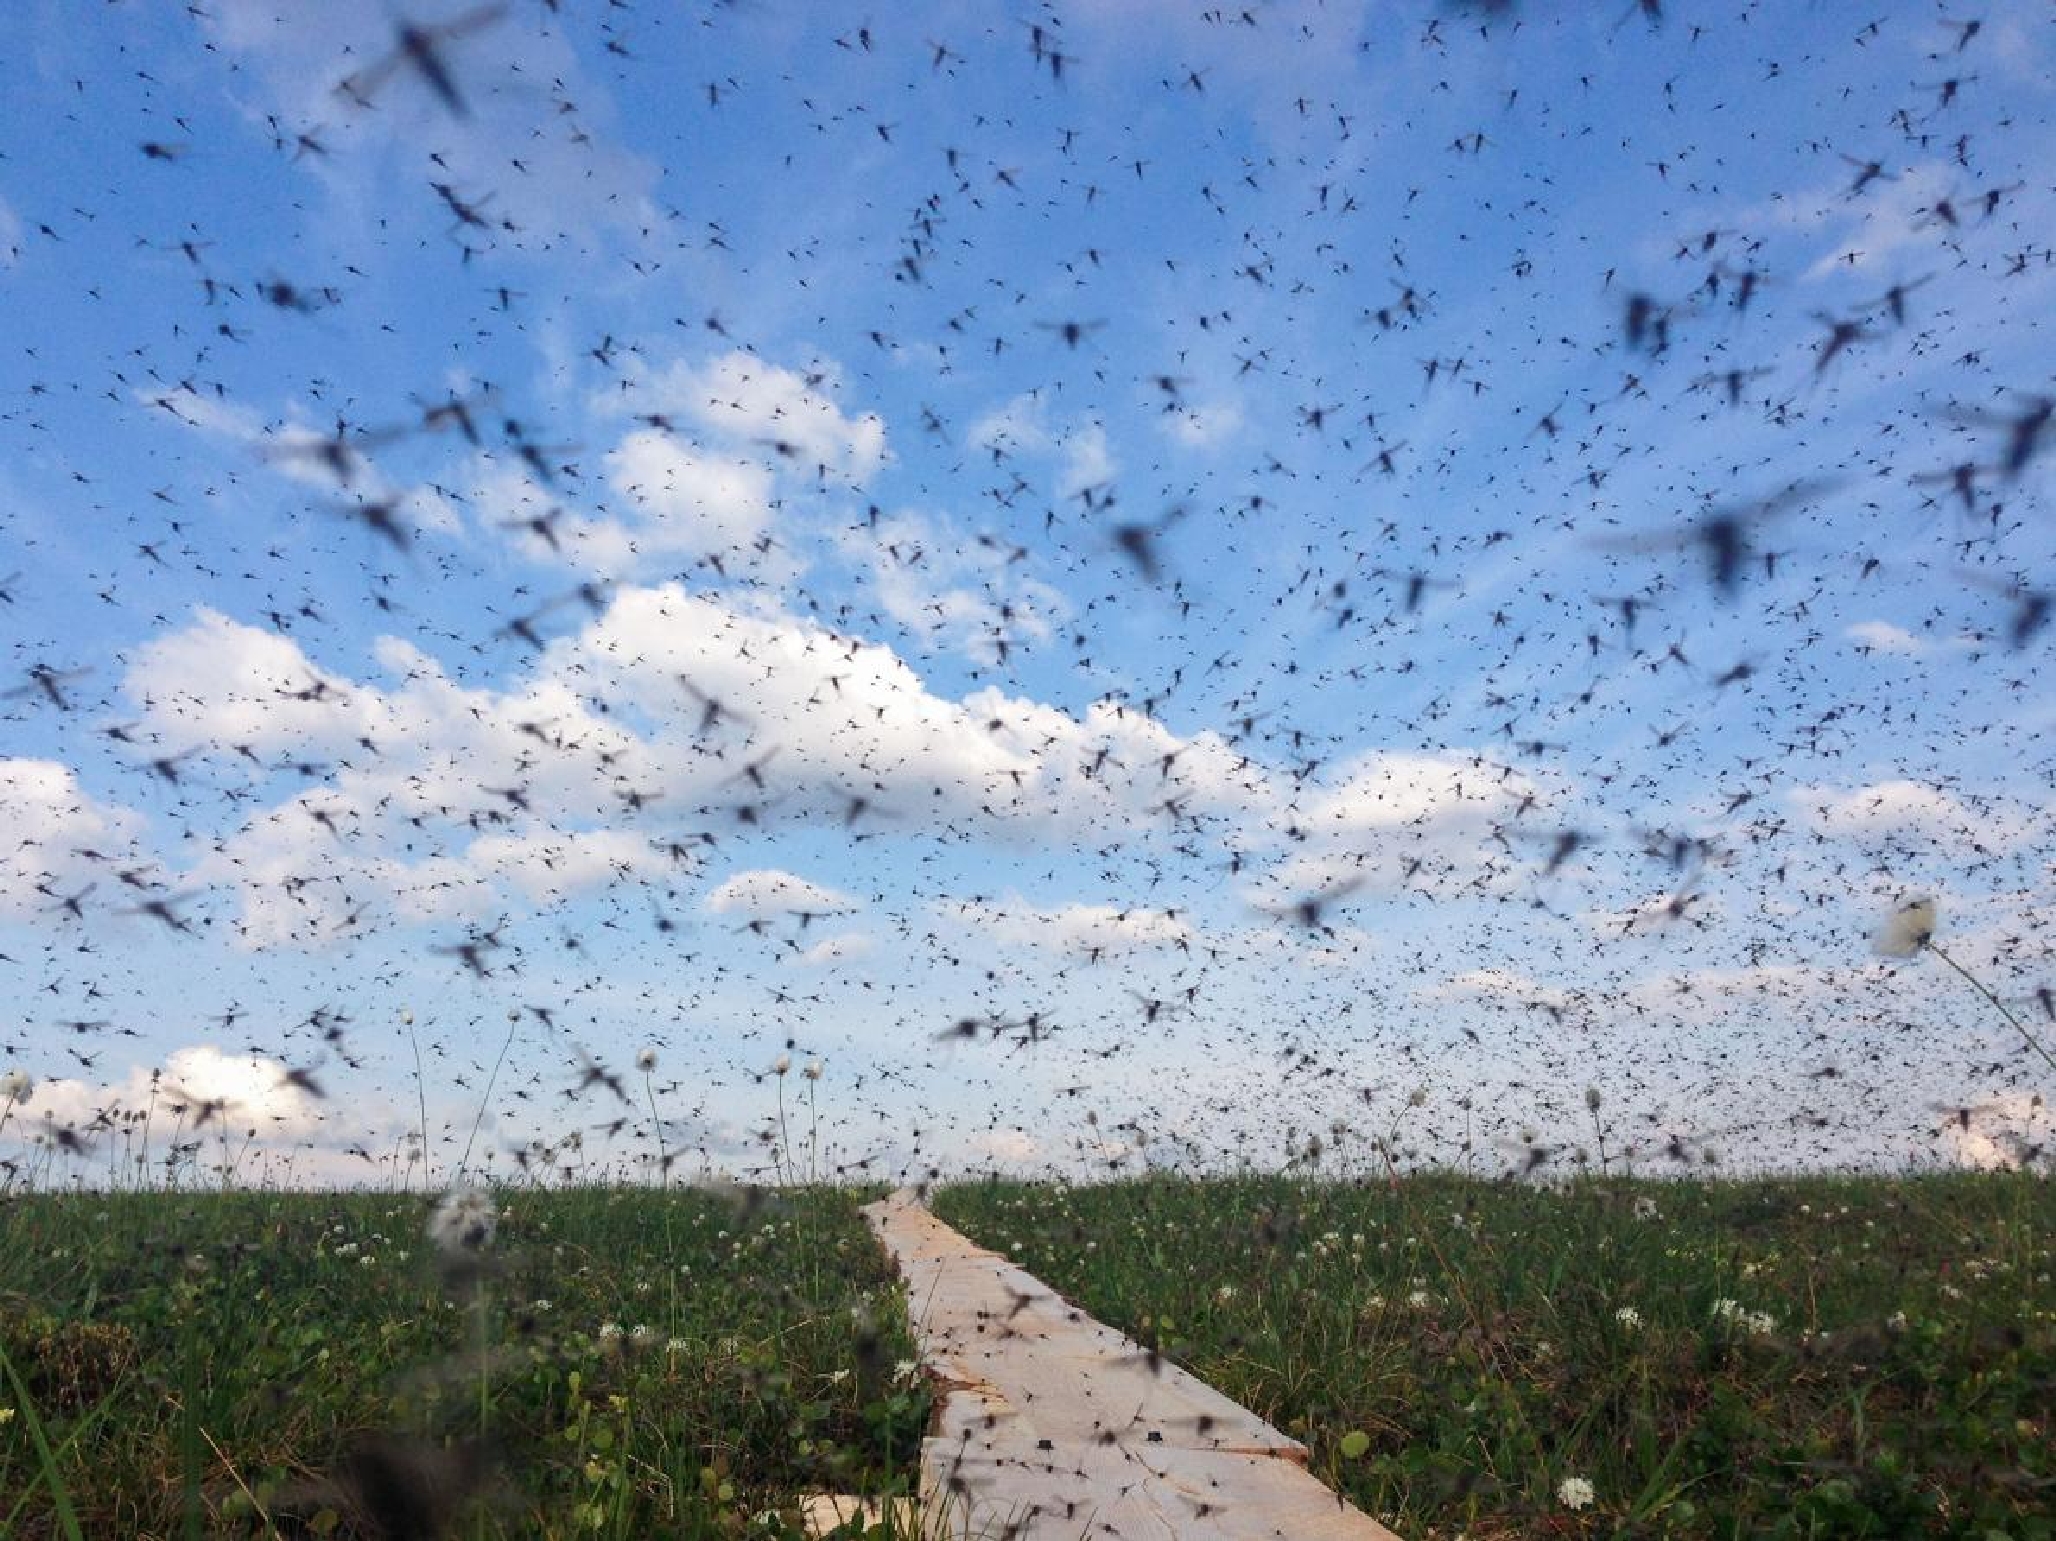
pixel 1053 1424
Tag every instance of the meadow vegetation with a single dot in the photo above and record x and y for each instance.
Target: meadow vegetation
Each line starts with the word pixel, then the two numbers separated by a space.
pixel 1802 1357
pixel 616 1362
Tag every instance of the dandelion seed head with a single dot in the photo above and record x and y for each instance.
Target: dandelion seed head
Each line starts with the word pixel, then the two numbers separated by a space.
pixel 462 1222
pixel 812 1070
pixel 16 1086
pixel 646 1060
pixel 1908 929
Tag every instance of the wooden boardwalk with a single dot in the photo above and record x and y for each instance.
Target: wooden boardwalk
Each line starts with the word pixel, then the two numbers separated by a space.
pixel 1053 1425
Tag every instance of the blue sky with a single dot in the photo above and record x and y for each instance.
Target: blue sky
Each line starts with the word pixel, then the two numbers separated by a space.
pixel 1182 538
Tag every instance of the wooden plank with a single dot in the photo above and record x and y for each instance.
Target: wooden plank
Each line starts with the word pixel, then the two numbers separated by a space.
pixel 1055 1425
pixel 829 1514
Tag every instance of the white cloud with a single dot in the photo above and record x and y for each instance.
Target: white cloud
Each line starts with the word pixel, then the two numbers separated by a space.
pixel 255 1090
pixel 685 502
pixel 974 597
pixel 566 778
pixel 1088 462
pixel 1069 928
pixel 1023 426
pixel 1884 637
pixel 220 683
pixel 1013 1147
pixel 1205 426
pixel 1892 808
pixel 842 947
pixel 49 821
pixel 767 892
pixel 545 864
pixel 786 417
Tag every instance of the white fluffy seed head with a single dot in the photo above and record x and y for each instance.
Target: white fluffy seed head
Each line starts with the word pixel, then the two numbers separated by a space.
pixel 15 1086
pixel 646 1060
pixel 1908 928
pixel 812 1070
pixel 781 1065
pixel 462 1222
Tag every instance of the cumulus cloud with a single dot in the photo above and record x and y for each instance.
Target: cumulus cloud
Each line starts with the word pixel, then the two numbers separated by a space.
pixel 1888 808
pixel 767 892
pixel 1069 928
pixel 219 682
pixel 1388 820
pixel 51 822
pixel 440 801
pixel 973 596
pixel 1884 637
pixel 685 502
pixel 250 1091
pixel 787 416
pixel 1024 426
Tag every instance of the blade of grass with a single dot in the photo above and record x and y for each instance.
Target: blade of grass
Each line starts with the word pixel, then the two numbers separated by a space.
pixel 46 1459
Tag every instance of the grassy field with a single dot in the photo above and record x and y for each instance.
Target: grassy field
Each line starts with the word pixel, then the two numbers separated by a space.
pixel 1820 1357
pixel 614 1363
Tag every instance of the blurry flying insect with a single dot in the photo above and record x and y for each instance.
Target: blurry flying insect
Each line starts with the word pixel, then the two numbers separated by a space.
pixel 419 48
pixel 381 516
pixel 1138 543
pixel 2031 607
pixel 49 683
pixel 1723 531
pixel 1307 911
pixel 1072 332
pixel 2025 429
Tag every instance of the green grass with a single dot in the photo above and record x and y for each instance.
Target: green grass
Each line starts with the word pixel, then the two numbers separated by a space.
pixel 628 1363
pixel 1452 1350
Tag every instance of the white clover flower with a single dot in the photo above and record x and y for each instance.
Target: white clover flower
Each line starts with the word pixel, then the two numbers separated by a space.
pixel 609 1331
pixel 1629 1318
pixel 462 1222
pixel 15 1086
pixel 1575 1493
pixel 1908 929
pixel 646 1061
pixel 1645 1208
